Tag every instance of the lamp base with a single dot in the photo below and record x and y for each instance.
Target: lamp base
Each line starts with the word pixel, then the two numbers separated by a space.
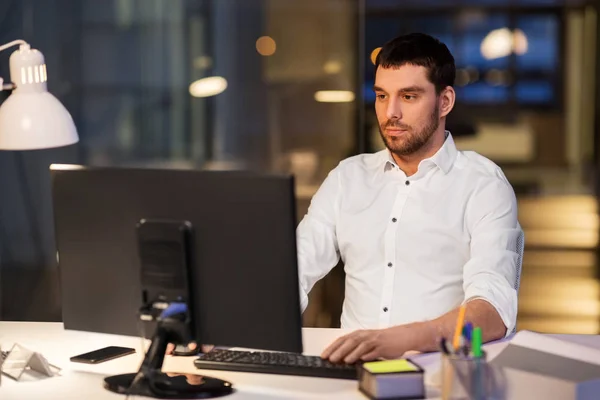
pixel 169 386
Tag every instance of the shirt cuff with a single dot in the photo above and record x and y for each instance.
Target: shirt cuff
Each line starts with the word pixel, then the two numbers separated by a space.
pixel 303 301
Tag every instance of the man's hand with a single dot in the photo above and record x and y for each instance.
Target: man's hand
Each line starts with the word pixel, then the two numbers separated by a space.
pixel 371 344
pixel 205 347
pixel 191 379
pixel 424 336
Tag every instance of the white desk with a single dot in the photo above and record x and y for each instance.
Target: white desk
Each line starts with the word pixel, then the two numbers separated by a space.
pixel 82 381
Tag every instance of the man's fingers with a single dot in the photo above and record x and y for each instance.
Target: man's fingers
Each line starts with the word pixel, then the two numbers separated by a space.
pixel 332 347
pixel 191 346
pixel 370 356
pixel 170 348
pixel 350 343
pixel 206 348
pixel 363 348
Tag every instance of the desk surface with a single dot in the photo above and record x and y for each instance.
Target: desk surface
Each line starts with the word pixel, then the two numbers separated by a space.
pixel 79 381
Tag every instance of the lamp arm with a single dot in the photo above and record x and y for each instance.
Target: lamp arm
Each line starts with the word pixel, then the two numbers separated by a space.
pixel 10 85
pixel 13 43
pixel 6 86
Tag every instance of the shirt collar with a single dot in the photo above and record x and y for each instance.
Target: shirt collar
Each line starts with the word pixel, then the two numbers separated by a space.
pixel 443 158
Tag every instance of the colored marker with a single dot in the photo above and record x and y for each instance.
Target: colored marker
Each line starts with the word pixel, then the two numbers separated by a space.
pixel 468 331
pixel 476 342
pixel 459 326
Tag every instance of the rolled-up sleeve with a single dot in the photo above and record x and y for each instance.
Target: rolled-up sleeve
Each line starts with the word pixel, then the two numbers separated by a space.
pixel 492 271
pixel 316 236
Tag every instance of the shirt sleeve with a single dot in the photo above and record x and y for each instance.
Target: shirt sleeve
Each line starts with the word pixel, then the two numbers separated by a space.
pixel 317 244
pixel 491 272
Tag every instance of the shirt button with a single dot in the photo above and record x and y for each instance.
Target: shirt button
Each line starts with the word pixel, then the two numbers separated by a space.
pixel 394 220
pixel 385 309
pixel 389 264
pixel 407 183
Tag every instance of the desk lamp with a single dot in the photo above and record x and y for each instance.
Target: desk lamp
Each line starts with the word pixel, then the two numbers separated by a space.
pixel 31 118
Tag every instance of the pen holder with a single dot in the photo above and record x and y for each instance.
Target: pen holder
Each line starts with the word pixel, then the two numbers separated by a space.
pixel 470 378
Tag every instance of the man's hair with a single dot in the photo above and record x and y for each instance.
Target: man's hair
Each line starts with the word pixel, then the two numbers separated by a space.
pixel 421 50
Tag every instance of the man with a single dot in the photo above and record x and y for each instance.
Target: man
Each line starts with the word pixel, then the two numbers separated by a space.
pixel 421 227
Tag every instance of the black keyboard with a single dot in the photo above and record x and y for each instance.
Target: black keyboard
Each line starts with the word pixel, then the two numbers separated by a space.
pixel 274 363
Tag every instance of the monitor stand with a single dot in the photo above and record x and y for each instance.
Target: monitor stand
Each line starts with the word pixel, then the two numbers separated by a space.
pixel 149 381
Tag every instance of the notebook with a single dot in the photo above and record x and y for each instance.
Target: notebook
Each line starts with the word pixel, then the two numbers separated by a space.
pixel 392 379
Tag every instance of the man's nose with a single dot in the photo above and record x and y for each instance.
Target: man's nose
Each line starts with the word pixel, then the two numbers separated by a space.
pixel 393 111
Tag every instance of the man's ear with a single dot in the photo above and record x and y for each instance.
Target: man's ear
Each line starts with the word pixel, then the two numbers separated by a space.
pixel 447 98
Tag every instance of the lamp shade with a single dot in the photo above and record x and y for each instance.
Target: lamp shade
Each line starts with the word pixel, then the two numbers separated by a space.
pixel 35 121
pixel 31 117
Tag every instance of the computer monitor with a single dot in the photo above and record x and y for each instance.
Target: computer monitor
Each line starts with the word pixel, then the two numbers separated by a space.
pixel 244 276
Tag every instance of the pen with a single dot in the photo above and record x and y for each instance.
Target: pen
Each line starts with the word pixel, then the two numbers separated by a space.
pixel 468 331
pixel 459 325
pixel 476 342
pixel 479 384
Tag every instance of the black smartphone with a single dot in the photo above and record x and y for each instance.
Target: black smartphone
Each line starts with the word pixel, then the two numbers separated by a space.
pixel 101 355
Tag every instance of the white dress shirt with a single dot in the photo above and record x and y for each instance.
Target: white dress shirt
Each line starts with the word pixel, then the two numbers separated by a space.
pixel 413 247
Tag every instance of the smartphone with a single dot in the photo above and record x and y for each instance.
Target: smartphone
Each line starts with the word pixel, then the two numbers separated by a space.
pixel 101 355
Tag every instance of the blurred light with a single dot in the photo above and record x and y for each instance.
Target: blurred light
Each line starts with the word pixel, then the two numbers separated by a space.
pixel 332 67
pixel 497 43
pixel 562 238
pixel 266 46
pixel 202 62
pixel 471 18
pixel 465 76
pixel 462 77
pixel 520 43
pixel 542 306
pixel 334 96
pixel 496 77
pixel 207 87
pixel 374 54
pixel 563 325
pixel 502 42
pixel 65 167
pixel 473 74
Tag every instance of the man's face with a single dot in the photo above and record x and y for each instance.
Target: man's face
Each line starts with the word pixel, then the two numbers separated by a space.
pixel 407 108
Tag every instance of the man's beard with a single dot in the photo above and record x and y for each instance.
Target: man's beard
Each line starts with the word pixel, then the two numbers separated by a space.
pixel 411 141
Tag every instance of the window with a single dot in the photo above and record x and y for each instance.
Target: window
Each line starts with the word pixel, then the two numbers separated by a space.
pixel 502 57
